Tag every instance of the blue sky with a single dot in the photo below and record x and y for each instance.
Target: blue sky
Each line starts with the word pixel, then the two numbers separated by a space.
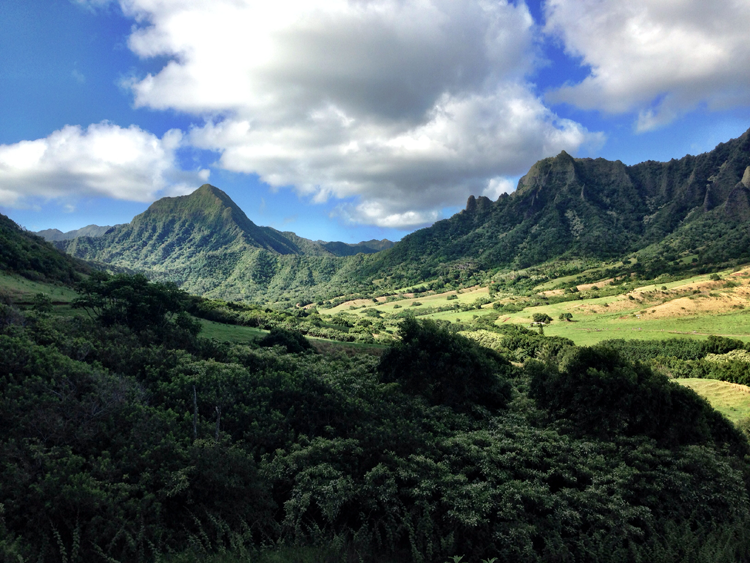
pixel 347 119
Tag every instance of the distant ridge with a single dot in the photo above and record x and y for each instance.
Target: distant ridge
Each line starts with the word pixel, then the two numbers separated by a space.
pixel 366 247
pixel 53 235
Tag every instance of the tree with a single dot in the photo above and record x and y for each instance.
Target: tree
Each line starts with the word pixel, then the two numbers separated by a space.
pixel 541 318
pixel 566 317
pixel 42 303
pixel 604 395
pixel 133 301
pixel 292 340
pixel 446 368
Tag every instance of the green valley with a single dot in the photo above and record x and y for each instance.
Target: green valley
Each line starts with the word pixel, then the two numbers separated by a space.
pixel 560 375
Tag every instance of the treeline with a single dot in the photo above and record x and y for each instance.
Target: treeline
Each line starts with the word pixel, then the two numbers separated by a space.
pixel 127 436
pixel 725 359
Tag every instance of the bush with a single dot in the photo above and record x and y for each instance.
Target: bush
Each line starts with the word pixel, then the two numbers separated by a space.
pixel 604 395
pixel 541 318
pixel 446 368
pixel 293 341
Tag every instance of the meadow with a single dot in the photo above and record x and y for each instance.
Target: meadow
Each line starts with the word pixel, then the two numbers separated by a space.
pixel 695 307
pixel 730 399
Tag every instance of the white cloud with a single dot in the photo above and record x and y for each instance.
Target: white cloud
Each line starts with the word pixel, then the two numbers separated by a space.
pixel 408 106
pixel 78 76
pixel 497 187
pixel 102 160
pixel 659 59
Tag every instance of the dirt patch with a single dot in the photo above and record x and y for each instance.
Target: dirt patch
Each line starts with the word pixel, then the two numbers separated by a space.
pixel 599 284
pixel 552 292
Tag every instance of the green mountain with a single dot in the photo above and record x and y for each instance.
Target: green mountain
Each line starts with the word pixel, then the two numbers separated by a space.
pixel 694 209
pixel 566 208
pixel 365 247
pixel 207 244
pixel 31 256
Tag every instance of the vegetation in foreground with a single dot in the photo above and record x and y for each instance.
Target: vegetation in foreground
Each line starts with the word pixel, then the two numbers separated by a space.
pixel 127 436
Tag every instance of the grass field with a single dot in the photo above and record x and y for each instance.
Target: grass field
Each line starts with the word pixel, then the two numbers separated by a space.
pixel 22 290
pixel 437 300
pixel 730 399
pixel 230 333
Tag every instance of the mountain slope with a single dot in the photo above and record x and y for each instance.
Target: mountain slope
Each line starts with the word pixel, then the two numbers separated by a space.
pixel 207 244
pixel 365 247
pixel 566 208
pixel 31 256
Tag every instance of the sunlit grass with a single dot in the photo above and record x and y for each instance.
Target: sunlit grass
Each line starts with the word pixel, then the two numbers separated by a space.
pixel 730 399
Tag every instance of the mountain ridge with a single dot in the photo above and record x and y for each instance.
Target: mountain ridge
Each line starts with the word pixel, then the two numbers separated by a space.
pixel 564 208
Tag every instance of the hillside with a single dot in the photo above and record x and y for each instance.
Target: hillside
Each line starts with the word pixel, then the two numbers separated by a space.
pixel 30 256
pixel 207 244
pixel 567 208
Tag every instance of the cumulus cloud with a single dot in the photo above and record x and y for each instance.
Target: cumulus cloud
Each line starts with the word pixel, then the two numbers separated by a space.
pixel 497 187
pixel 407 107
pixel 102 160
pixel 659 59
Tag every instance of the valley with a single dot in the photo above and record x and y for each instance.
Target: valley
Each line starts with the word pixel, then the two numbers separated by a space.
pixel 191 386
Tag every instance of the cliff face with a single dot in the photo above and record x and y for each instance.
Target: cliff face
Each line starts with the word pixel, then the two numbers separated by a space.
pixel 580 207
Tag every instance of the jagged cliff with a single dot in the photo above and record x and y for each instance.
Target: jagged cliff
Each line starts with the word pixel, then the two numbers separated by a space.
pixel 567 207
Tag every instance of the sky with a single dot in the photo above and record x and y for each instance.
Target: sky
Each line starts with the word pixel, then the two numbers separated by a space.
pixel 348 119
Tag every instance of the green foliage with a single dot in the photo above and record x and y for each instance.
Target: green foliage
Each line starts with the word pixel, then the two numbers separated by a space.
pixel 292 340
pixel 135 302
pixel 33 258
pixel 541 318
pixel 446 368
pixel 42 303
pixel 118 445
pixel 603 395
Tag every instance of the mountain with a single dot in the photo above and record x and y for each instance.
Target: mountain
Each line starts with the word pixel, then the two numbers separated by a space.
pixel 566 208
pixel 53 235
pixel 694 209
pixel 207 244
pixel 365 247
pixel 26 254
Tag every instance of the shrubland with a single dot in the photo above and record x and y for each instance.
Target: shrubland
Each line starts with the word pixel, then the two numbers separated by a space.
pixel 127 436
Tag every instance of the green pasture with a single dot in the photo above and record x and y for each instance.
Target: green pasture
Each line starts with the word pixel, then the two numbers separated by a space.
pixel 230 333
pixel 731 400
pixel 593 328
pixel 21 290
pixel 437 300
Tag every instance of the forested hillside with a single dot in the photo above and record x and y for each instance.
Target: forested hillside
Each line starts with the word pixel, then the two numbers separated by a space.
pixel 207 245
pixel 128 437
pixel 32 257
pixel 567 207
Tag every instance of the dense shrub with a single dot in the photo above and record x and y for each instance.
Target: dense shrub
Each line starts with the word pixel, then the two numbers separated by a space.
pixel 446 368
pixel 603 395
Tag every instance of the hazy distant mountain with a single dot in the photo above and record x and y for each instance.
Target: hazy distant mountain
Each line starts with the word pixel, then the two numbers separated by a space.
pixel 366 247
pixel 53 235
